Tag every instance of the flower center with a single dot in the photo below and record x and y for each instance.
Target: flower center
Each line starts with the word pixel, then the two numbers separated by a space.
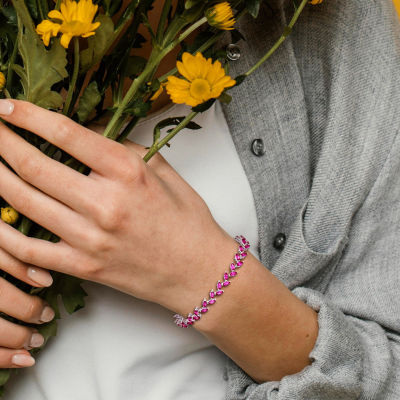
pixel 200 89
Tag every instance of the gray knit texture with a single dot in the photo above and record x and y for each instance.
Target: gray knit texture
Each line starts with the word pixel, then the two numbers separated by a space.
pixel 327 106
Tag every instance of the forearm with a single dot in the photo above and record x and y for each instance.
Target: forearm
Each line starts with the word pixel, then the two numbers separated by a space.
pixel 258 322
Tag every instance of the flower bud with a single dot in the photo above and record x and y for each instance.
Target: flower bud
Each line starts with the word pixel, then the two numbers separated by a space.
pixel 2 81
pixel 9 215
pixel 221 16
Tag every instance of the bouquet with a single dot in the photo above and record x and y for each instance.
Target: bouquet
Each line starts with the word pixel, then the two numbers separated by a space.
pixel 64 56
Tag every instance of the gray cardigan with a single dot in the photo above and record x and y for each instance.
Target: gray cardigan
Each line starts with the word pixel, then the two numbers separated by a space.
pixel 327 107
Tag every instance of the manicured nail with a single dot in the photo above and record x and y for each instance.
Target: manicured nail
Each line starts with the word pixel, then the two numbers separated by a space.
pixel 6 107
pixel 47 314
pixel 36 340
pixel 22 360
pixel 40 276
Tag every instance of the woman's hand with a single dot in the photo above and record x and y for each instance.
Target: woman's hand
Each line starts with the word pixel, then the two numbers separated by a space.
pixel 136 227
pixel 16 339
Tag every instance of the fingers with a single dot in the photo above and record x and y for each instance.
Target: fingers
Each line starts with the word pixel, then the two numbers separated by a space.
pixel 41 253
pixel 15 358
pixel 32 309
pixel 23 306
pixel 100 154
pixel 46 211
pixel 41 171
pixel 30 274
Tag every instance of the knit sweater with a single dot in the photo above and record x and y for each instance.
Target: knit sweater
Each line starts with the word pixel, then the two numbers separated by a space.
pixel 327 108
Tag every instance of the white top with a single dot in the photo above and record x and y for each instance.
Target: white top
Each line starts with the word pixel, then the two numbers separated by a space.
pixel 119 347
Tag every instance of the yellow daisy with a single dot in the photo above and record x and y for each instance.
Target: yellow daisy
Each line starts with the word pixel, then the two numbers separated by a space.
pixel 221 16
pixel 76 20
pixel 204 80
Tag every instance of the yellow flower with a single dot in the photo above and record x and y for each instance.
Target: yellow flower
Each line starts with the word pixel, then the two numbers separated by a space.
pixel 2 81
pixel 221 16
pixel 76 20
pixel 204 80
pixel 9 215
pixel 47 29
pixel 314 2
pixel 157 94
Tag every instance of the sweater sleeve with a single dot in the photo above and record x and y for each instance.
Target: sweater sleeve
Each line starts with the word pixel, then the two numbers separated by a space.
pixel 357 351
pixel 353 358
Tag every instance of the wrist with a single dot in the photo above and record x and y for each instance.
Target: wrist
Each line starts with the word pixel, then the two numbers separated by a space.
pixel 220 253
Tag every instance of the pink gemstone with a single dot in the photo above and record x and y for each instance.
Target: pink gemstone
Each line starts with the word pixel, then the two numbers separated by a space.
pixel 241 248
pixel 239 263
pixel 233 266
pixel 226 283
pixel 244 254
pixel 244 240
pixel 211 301
pixel 219 292
pixel 184 326
pixel 196 311
pixel 237 256
pixel 246 246
pixel 196 317
pixel 219 285
pixel 212 294
pixel 204 302
pixel 226 275
pixel 233 273
pixel 204 309
pixel 190 322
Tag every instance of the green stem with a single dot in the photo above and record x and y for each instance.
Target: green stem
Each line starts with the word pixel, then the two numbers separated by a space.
pixel 157 146
pixel 152 64
pixel 72 83
pixel 163 20
pixel 282 38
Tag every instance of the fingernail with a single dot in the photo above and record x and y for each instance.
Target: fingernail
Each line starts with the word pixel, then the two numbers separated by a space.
pixel 6 107
pixel 40 276
pixel 47 314
pixel 36 340
pixel 22 360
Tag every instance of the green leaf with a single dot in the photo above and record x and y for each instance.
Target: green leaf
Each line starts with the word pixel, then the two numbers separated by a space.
pixel 204 106
pixel 72 294
pixel 253 6
pixel 97 44
pixel 225 98
pixel 4 375
pixel 239 79
pixel 42 69
pixel 88 101
pixel 134 66
pixel 138 109
pixel 47 331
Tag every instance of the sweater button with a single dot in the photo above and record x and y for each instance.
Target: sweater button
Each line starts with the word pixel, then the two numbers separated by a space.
pixel 257 147
pixel 279 241
pixel 232 52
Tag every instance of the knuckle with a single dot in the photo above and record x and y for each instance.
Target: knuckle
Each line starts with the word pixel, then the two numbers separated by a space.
pixel 132 171
pixel 33 309
pixel 27 167
pixel 27 253
pixel 20 338
pixel 90 270
pixel 99 243
pixel 63 127
pixel 109 214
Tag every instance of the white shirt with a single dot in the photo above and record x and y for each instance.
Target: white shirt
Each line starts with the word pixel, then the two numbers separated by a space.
pixel 119 347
